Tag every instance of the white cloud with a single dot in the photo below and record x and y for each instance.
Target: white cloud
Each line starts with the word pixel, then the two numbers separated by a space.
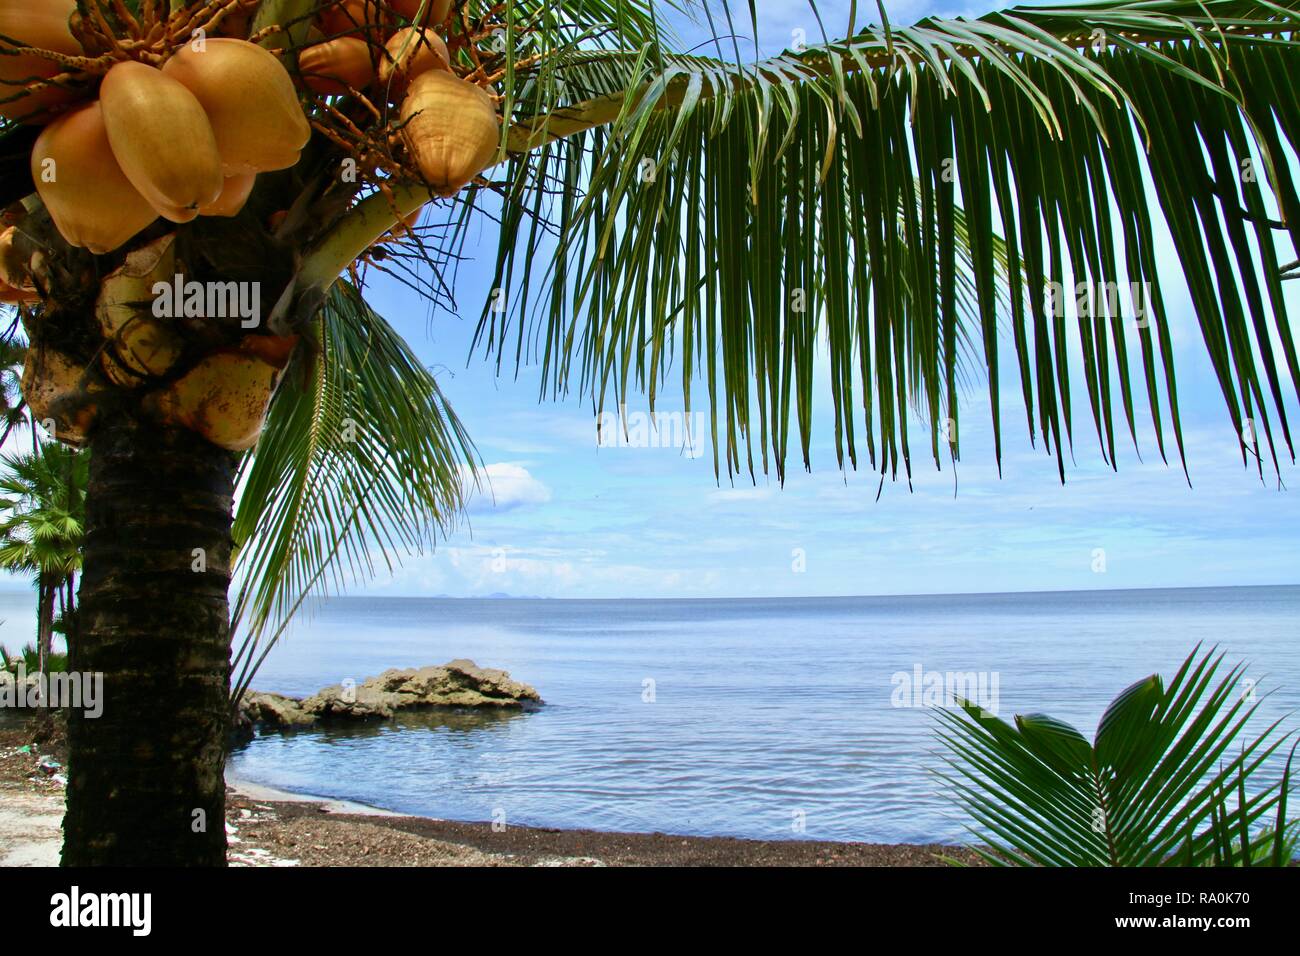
pixel 508 485
pixel 735 495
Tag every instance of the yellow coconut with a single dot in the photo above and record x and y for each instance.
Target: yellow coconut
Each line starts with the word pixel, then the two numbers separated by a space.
pixel 60 392
pixel 92 202
pixel 14 272
pixel 426 12
pixel 142 342
pixel 450 127
pixel 225 396
pixel 330 68
pixel 250 102
pixel 117 373
pixel 162 139
pixel 410 52
pixel 42 24
pixel 11 296
pixel 233 196
pixel 354 18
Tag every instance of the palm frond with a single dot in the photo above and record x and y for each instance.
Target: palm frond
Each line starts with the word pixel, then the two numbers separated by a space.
pixel 1158 786
pixel 361 462
pixel 692 206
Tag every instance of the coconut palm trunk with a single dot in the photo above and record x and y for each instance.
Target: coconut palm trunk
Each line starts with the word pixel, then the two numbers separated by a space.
pixel 146 783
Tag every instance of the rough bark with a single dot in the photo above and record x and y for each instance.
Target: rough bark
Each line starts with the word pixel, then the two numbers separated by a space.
pixel 44 620
pixel 145 782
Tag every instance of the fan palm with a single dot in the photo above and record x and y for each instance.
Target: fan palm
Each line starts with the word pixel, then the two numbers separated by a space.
pixel 42 514
pixel 1159 785
pixel 883 204
pixel 13 408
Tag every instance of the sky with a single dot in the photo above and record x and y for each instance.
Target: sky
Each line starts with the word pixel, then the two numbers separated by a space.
pixel 565 518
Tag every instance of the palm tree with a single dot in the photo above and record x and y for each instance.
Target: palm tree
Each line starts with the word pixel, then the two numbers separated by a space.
pixel 884 204
pixel 13 407
pixel 42 513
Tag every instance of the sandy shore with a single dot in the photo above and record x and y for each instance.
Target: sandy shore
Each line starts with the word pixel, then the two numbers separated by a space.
pixel 268 827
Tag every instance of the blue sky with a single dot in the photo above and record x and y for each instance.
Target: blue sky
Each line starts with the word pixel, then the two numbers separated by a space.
pixel 569 519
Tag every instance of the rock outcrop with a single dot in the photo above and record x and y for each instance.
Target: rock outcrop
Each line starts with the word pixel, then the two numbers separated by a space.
pixel 274 710
pixel 458 684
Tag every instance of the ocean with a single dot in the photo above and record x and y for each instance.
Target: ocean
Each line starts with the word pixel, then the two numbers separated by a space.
pixel 775 719
pixel 772 719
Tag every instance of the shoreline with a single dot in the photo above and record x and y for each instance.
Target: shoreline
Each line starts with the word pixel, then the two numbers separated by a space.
pixel 303 832
pixel 262 793
pixel 636 843
pixel 268 826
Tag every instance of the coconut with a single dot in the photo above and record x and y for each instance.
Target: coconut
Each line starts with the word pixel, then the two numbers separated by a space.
pixel 450 127
pixel 42 24
pixel 410 52
pixel 142 344
pixel 60 390
pixel 117 373
pixel 11 296
pixel 355 18
pixel 233 196
pixel 330 68
pixel 88 196
pixel 424 12
pixel 162 139
pixel 225 396
pixel 14 272
pixel 250 101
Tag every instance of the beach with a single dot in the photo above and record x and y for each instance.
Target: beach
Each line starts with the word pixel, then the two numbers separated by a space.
pixel 268 827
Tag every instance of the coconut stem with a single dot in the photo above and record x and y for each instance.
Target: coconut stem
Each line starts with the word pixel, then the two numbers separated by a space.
pixel 128 19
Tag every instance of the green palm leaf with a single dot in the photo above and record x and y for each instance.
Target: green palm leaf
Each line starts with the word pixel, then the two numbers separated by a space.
pixel 1061 128
pixel 361 462
pixel 1157 787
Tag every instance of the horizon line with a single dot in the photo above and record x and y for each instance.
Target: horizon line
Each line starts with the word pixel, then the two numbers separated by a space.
pixel 809 597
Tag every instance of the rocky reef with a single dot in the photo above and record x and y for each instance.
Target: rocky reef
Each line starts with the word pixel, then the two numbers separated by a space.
pixel 457 684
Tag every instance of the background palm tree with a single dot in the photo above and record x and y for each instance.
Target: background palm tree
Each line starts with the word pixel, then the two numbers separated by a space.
pixel 13 407
pixel 880 206
pixel 42 516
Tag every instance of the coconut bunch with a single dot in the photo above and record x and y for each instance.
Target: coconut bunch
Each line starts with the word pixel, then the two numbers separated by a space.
pixel 139 126
pixel 382 52
pixel 51 56
pixel 224 394
pixel 177 142
pixel 145 119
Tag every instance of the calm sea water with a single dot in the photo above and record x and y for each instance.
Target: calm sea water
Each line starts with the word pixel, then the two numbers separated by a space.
pixel 761 712
pixel 733 717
